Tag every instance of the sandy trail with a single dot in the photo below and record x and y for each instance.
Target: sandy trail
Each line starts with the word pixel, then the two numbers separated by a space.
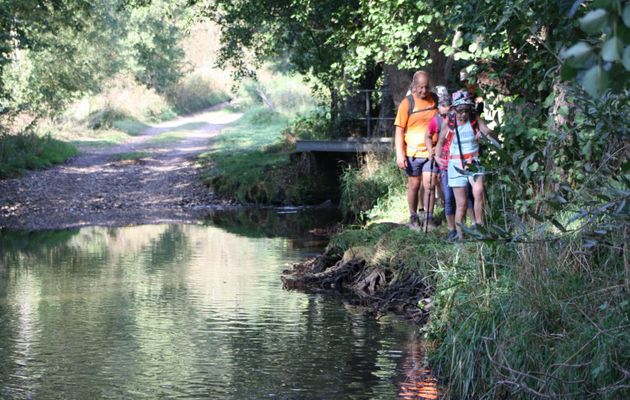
pixel 96 189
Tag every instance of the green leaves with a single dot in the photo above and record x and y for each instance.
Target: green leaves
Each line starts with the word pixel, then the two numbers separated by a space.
pixel 594 21
pixel 626 15
pixel 611 50
pixel 626 58
pixel 604 56
pixel 595 81
pixel 577 54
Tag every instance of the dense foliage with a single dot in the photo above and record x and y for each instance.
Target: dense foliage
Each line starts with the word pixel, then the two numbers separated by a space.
pixel 52 52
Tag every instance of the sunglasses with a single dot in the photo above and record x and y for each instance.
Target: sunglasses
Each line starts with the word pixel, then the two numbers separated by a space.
pixel 462 110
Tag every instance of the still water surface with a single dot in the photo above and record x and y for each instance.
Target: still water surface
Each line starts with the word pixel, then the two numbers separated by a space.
pixel 185 311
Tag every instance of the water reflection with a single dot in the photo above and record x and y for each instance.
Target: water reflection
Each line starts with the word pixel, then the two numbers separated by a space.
pixel 180 311
pixel 419 382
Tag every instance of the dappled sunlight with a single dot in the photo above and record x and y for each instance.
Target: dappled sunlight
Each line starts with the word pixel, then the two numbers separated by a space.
pixel 199 121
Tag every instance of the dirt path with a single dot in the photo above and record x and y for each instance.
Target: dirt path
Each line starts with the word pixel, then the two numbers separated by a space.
pixel 96 189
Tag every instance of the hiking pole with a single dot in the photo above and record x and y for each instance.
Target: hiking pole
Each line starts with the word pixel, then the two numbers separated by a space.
pixel 426 219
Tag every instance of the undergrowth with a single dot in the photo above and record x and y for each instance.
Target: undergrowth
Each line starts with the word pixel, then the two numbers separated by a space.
pixel 251 162
pixel 514 320
pixel 27 150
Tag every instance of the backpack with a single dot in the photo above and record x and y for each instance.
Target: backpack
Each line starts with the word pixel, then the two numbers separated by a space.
pixel 412 104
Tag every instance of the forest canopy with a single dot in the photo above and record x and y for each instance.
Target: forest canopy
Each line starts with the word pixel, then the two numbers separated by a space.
pixel 52 52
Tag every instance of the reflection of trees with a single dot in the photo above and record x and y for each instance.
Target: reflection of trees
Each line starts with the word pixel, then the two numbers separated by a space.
pixel 331 354
pixel 167 311
pixel 271 222
pixel 419 382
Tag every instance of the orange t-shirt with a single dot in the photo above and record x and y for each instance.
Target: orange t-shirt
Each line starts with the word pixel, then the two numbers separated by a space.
pixel 415 125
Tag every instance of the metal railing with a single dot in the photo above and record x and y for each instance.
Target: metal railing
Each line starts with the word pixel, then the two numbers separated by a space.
pixel 371 121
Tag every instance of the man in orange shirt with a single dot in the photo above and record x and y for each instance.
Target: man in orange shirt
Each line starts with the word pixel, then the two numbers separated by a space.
pixel 411 152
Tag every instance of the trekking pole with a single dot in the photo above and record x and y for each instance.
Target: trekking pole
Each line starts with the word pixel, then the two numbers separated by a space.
pixel 426 219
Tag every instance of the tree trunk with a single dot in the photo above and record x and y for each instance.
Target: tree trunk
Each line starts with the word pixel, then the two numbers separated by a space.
pixel 385 127
pixel 399 82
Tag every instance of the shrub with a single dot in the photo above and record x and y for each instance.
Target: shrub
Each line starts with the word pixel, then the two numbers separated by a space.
pixel 196 92
pixel 27 150
pixel 363 187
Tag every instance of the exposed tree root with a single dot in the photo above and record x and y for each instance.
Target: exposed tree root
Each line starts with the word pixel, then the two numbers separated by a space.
pixel 377 287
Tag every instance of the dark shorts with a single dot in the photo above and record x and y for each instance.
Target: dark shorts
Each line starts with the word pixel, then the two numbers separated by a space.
pixel 416 166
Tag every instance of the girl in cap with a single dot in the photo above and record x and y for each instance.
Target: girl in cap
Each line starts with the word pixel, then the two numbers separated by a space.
pixel 464 131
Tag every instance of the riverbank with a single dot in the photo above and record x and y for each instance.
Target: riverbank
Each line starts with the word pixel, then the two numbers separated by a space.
pixel 505 320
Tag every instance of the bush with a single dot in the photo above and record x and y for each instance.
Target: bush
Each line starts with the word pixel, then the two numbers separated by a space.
pixel 196 92
pixel 313 126
pixel 363 187
pixel 27 150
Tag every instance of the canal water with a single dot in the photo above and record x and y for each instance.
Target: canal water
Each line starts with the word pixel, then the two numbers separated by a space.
pixel 191 312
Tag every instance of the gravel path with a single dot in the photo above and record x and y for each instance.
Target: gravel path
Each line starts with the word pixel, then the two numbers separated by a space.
pixel 96 189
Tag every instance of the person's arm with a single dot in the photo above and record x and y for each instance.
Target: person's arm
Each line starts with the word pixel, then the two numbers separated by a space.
pixel 440 143
pixel 428 138
pixel 399 144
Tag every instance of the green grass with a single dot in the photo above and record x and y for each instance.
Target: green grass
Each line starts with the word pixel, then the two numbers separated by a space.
pixel 27 151
pixel 130 126
pixel 131 156
pixel 251 163
pixel 167 137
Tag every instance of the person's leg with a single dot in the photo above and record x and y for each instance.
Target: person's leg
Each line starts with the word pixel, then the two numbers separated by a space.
pixel 478 194
pixel 414 182
pixel 461 202
pixel 428 183
pixel 449 200
pixel 413 186
pixel 439 186
pixel 471 204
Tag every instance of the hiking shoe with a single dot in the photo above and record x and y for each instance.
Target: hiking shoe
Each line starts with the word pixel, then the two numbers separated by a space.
pixel 452 235
pixel 414 222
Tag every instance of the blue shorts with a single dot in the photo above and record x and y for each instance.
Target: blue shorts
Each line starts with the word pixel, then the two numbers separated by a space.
pixel 416 166
pixel 456 178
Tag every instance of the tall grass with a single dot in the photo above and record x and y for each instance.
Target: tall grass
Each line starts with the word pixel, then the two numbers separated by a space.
pixel 375 180
pixel 535 320
pixel 195 92
pixel 27 150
